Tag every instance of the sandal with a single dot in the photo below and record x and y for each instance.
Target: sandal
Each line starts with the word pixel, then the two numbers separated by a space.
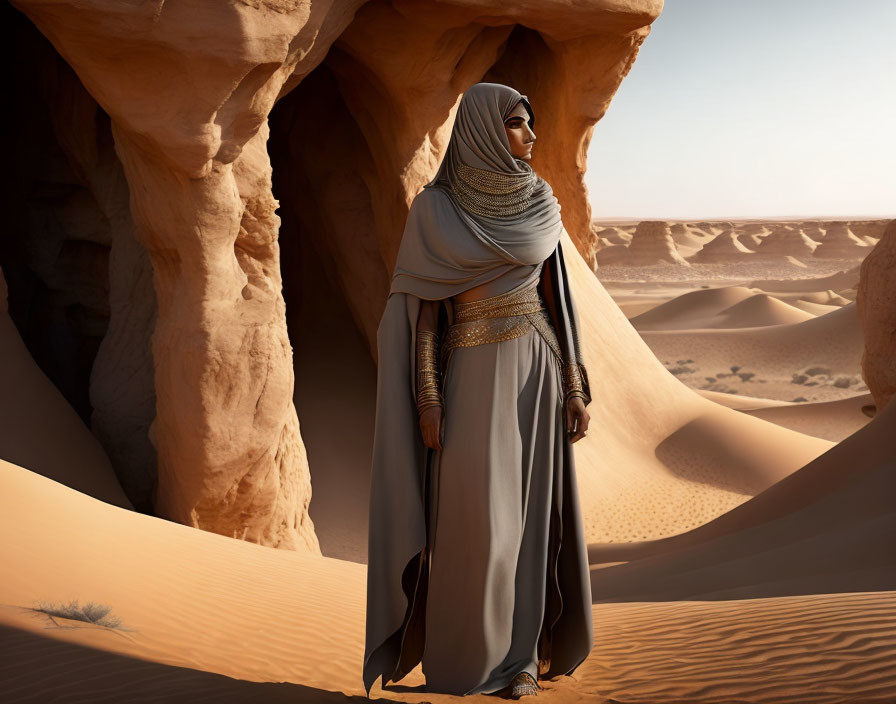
pixel 522 684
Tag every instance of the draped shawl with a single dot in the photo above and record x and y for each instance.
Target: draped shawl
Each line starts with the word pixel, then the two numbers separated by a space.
pixel 445 249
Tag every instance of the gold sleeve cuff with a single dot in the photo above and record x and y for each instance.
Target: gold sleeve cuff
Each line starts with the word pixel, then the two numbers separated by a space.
pixel 575 382
pixel 428 376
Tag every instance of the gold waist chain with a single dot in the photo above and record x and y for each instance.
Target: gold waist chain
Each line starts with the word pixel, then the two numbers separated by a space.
pixel 499 318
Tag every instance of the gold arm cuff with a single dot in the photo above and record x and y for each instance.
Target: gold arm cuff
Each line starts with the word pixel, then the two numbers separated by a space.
pixel 428 375
pixel 575 382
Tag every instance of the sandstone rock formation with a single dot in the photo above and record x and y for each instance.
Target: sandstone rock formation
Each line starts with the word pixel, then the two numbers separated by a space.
pixel 840 243
pixel 868 229
pixel 188 116
pixel 185 92
pixel 812 230
pixel 653 244
pixel 614 235
pixel 613 255
pixel 750 240
pixel 786 240
pixel 724 247
pixel 81 289
pixel 685 239
pixel 39 428
pixel 875 304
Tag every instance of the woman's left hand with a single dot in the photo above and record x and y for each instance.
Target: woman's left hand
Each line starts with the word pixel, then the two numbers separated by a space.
pixel 577 418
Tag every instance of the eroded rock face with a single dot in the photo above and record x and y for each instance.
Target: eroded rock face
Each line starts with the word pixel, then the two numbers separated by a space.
pixel 390 86
pixel 188 90
pixel 840 243
pixel 81 294
pixel 722 248
pixel 786 240
pixel 866 229
pixel 876 305
pixel 652 244
pixel 188 112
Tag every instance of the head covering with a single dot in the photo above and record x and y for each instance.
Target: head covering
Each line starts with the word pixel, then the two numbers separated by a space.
pixel 446 249
pixel 481 171
pixel 439 220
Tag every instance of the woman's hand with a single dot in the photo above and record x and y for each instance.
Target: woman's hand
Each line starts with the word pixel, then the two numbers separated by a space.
pixel 432 427
pixel 577 418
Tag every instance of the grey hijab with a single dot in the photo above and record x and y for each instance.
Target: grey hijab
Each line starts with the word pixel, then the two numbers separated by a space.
pixel 445 249
pixel 437 242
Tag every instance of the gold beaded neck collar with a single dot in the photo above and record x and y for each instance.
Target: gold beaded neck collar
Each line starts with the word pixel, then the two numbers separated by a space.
pixel 493 193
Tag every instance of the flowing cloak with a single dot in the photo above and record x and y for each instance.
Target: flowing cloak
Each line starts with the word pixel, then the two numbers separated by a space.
pixel 431 266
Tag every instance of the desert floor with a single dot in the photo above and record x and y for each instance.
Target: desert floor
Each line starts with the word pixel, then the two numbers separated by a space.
pixel 737 496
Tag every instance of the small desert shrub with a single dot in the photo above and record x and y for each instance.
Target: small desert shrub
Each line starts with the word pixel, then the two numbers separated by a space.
pixel 90 613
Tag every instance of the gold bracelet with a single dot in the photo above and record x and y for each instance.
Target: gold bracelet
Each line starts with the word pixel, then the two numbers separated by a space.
pixel 572 382
pixel 428 376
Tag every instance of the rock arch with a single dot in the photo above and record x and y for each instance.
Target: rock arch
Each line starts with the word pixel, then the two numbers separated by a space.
pixel 188 113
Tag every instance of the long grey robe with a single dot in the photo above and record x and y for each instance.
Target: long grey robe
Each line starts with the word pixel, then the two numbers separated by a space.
pixel 431 266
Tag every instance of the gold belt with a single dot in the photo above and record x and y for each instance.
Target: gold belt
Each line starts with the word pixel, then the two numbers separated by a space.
pixel 499 318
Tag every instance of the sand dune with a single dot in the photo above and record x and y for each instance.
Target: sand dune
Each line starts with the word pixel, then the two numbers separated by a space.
pixel 830 420
pixel 208 617
pixel 638 304
pixel 645 452
pixel 661 457
pixel 756 311
pixel 848 278
pixel 814 309
pixel 212 619
pixel 727 307
pixel 827 297
pixel 819 649
pixel 741 402
pixel 41 430
pixel 189 598
pixel 690 309
pixel 828 527
pixel 774 354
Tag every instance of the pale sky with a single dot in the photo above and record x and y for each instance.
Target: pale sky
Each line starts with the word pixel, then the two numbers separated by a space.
pixel 753 108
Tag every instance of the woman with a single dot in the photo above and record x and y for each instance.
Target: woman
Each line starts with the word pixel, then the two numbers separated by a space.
pixel 477 564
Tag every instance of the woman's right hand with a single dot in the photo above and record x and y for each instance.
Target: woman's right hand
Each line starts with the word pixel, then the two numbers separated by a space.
pixel 432 427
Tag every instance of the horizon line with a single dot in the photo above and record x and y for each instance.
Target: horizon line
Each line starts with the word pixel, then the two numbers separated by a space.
pixel 713 218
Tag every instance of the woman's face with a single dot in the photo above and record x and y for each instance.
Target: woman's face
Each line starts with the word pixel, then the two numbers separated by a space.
pixel 519 134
